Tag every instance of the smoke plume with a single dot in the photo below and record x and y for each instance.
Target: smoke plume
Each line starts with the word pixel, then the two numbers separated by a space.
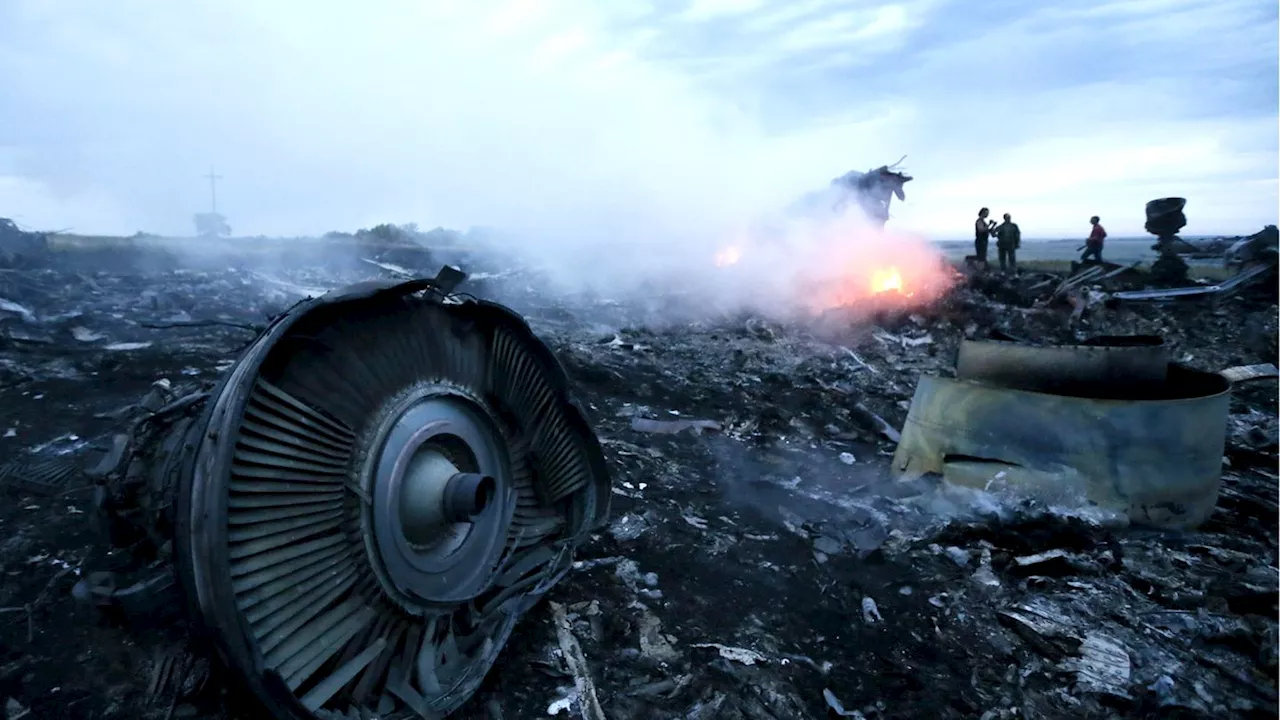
pixel 544 120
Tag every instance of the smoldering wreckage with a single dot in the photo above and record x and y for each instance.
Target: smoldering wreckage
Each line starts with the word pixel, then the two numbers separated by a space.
pixel 1049 495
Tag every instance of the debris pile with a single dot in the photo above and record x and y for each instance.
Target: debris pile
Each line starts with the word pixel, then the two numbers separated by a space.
pixel 1261 247
pixel 761 561
pixel 20 249
pixel 1222 247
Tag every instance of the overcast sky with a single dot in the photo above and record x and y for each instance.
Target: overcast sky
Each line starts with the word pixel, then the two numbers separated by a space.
pixel 630 118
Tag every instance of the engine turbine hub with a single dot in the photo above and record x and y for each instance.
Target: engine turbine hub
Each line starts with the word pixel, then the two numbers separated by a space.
pixel 436 458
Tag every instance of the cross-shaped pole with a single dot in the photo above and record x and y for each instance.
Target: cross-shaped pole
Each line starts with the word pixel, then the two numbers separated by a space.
pixel 213 189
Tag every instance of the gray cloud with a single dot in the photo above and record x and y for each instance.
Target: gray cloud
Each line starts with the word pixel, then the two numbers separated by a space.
pixel 632 120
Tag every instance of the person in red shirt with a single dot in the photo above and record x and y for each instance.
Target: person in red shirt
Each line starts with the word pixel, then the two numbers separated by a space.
pixel 1093 246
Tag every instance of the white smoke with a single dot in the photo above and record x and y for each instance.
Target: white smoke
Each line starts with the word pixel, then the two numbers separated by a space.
pixel 543 119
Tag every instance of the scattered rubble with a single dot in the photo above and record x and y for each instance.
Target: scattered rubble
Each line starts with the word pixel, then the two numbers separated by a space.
pixel 749 570
pixel 1234 250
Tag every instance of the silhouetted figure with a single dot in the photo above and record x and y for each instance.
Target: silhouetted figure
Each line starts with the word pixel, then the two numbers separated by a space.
pixel 1093 246
pixel 1008 240
pixel 982 228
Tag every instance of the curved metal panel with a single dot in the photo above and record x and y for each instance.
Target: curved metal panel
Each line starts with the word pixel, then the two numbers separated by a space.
pixel 1107 367
pixel 1159 460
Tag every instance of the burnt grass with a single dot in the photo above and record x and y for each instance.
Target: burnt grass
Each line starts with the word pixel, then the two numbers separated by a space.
pixel 746 569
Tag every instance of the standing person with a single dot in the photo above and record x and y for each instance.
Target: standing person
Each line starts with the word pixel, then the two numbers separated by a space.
pixel 1093 246
pixel 982 235
pixel 1008 240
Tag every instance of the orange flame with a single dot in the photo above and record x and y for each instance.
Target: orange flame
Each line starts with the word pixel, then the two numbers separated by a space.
pixel 856 268
pixel 886 269
pixel 886 279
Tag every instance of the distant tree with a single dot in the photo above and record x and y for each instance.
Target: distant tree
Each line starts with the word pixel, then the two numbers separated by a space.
pixel 386 233
pixel 211 225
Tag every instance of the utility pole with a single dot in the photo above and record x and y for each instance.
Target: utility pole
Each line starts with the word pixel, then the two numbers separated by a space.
pixel 213 190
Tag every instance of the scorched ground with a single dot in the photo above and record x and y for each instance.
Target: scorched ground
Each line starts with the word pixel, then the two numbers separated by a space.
pixel 758 564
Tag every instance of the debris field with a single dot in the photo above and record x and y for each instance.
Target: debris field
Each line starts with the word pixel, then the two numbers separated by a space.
pixel 760 561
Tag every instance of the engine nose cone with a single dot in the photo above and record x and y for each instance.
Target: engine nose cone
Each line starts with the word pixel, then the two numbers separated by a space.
pixel 467 495
pixel 422 498
pixel 427 547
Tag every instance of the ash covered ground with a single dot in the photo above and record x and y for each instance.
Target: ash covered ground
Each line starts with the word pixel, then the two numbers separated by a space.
pixel 759 563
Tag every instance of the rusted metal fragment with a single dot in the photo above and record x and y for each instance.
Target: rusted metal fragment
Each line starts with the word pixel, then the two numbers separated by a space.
pixel 1157 459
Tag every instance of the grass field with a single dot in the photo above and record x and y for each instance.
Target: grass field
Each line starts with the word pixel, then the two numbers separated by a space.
pixel 1056 255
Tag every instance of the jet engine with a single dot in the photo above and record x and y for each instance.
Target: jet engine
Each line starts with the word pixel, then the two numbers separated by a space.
pixel 361 510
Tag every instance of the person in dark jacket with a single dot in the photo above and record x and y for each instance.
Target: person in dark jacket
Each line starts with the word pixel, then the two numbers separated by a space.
pixel 1008 240
pixel 1093 246
pixel 982 236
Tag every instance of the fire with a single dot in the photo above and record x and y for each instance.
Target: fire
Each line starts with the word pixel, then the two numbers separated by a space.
pixel 843 267
pixel 898 271
pixel 728 255
pixel 887 279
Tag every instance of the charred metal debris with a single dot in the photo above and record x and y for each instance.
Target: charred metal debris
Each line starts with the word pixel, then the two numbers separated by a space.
pixel 1113 421
pixel 765 557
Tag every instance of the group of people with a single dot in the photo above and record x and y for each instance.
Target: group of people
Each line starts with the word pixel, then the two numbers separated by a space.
pixel 1009 238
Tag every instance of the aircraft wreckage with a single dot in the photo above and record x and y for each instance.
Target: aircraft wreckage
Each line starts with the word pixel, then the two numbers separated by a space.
pixel 871 192
pixel 362 509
